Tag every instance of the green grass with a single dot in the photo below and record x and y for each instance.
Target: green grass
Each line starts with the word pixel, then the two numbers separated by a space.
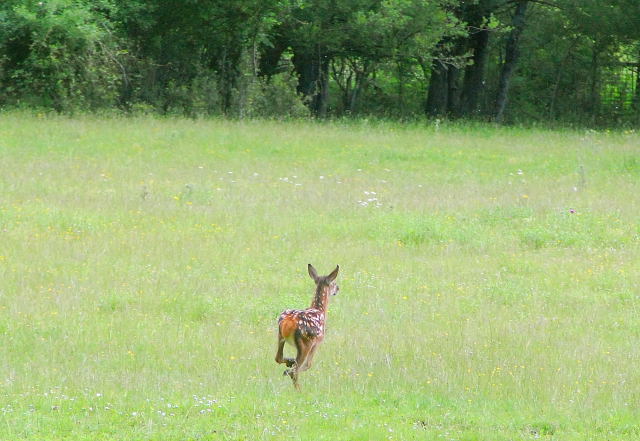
pixel 489 287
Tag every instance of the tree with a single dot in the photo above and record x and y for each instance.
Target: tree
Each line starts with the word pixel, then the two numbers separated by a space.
pixel 575 60
pixel 59 54
pixel 355 37
pixel 512 53
pixel 459 69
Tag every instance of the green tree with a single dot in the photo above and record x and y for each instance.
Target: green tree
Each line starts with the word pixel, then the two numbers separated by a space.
pixel 354 37
pixel 179 42
pixel 60 54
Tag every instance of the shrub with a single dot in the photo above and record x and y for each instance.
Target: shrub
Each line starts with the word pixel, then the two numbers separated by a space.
pixel 58 54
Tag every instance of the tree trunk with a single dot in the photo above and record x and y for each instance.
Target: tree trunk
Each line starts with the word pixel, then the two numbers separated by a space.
pixel 453 92
pixel 361 76
pixel 321 99
pixel 229 74
pixel 636 97
pixel 443 96
pixel 558 76
pixel 270 55
pixel 594 98
pixel 312 67
pixel 401 78
pixel 437 96
pixel 474 76
pixel 512 52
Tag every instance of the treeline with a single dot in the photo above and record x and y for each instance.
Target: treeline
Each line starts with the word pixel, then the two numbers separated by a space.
pixel 573 61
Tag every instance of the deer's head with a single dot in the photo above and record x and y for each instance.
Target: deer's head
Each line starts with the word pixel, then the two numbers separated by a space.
pixel 325 282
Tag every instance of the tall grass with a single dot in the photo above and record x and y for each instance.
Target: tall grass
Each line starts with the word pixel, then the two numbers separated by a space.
pixel 489 280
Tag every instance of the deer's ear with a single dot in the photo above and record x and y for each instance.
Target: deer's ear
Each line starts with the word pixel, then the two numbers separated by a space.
pixel 313 273
pixel 333 274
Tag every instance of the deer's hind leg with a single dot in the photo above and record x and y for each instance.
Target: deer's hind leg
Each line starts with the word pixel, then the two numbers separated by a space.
pixel 279 354
pixel 308 361
pixel 304 347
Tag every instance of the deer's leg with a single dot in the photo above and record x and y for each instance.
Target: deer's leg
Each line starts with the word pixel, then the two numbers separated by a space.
pixel 309 359
pixel 279 357
pixel 304 347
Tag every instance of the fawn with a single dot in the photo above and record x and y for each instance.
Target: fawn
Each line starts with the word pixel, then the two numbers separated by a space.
pixel 304 328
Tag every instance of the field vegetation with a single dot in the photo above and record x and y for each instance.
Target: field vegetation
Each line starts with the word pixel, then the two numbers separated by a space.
pixel 489 280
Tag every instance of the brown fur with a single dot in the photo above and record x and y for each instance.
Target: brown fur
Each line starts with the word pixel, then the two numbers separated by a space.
pixel 305 326
pixel 288 326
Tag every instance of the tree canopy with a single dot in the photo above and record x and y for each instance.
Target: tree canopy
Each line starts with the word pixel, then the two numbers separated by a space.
pixel 572 61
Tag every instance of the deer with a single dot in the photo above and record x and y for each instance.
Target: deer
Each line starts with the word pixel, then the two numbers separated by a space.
pixel 304 328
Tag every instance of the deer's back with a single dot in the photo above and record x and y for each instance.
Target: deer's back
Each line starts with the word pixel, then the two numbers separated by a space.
pixel 308 322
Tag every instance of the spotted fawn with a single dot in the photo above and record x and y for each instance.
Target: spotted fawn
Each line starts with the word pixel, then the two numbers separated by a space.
pixel 304 328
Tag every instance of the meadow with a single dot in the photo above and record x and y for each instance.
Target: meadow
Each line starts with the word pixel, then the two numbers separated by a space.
pixel 489 284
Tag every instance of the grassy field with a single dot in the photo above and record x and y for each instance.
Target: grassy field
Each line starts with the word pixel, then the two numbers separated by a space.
pixel 489 280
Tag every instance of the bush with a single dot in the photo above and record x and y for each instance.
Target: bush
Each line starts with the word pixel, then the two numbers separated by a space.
pixel 57 54
pixel 277 98
pixel 267 97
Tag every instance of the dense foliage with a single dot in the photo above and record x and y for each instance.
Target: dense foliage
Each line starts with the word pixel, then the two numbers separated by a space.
pixel 506 60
